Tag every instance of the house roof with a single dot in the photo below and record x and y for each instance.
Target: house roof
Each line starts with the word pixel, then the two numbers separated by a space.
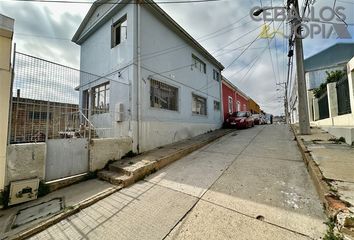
pixel 6 26
pixel 337 54
pixel 234 87
pixel 78 39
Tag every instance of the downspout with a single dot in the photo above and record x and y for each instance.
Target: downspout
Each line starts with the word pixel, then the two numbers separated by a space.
pixel 138 78
pixel 221 102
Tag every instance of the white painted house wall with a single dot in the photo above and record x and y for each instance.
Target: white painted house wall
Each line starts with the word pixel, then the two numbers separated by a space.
pixel 164 126
pixel 157 126
pixel 97 57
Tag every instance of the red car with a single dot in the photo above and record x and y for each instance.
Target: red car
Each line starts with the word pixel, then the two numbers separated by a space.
pixel 240 120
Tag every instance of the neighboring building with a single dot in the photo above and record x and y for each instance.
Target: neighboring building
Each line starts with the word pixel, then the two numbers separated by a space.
pixel 160 84
pixel 6 35
pixel 233 98
pixel 333 58
pixel 253 106
pixel 32 120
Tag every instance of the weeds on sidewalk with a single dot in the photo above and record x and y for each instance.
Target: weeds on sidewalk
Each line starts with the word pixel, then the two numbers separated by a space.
pixel 330 234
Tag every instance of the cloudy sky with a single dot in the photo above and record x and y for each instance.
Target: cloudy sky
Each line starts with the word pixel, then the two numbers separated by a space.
pixel 45 30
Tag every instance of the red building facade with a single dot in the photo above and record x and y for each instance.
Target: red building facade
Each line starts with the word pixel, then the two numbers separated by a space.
pixel 233 98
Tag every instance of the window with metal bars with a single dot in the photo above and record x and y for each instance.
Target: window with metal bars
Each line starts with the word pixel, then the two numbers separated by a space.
pixel 163 96
pixel 199 105
pixel 216 105
pixel 101 98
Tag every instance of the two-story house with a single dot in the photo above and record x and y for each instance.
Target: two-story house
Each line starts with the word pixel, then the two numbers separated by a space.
pixel 158 84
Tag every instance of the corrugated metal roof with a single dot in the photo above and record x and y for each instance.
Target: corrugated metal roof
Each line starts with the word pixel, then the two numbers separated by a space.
pixel 335 55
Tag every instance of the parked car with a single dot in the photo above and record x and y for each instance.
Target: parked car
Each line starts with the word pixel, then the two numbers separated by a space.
pixel 256 119
pixel 240 120
pixel 262 119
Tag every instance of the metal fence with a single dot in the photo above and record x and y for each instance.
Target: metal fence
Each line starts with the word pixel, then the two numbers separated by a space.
pixel 45 104
pixel 343 97
pixel 323 106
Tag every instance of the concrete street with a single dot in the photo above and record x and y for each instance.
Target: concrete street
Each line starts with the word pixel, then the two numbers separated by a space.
pixel 250 184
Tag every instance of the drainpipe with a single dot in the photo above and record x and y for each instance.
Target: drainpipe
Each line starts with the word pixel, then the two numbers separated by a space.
pixel 221 102
pixel 138 103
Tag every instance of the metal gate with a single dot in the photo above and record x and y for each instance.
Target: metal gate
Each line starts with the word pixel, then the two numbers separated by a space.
pixel 343 97
pixel 66 157
pixel 323 106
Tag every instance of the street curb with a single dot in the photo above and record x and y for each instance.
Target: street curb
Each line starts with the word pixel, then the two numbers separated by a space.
pixel 166 160
pixel 160 163
pixel 333 206
pixel 65 214
pixel 321 186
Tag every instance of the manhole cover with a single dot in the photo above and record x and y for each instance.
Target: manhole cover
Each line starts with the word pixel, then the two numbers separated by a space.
pixel 35 212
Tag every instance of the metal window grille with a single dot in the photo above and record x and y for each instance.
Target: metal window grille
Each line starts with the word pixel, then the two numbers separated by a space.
pixel 101 99
pixel 323 106
pixel 216 105
pixel 199 105
pixel 163 96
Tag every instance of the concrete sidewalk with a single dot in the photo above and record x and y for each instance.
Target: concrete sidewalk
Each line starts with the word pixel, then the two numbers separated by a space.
pixel 331 163
pixel 251 184
pixel 81 195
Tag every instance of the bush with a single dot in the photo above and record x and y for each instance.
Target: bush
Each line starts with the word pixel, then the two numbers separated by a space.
pixel 333 76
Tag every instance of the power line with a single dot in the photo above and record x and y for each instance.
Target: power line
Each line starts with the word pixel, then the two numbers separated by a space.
pixel 259 56
pixel 249 45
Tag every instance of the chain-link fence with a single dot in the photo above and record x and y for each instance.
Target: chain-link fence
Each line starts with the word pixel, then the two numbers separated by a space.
pixel 45 102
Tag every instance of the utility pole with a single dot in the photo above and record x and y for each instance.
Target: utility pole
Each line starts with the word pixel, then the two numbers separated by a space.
pixel 286 101
pixel 304 121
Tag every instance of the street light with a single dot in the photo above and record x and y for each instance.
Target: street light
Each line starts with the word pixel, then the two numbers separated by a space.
pixel 258 12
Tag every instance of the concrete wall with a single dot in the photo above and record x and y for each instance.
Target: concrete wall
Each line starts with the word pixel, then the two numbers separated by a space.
pixel 350 70
pixel 28 160
pixel 6 33
pixel 343 125
pixel 25 161
pixel 104 150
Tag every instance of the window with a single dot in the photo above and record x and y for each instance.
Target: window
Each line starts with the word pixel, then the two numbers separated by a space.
pixel 216 75
pixel 163 96
pixel 244 107
pixel 216 106
pixel 119 31
pixel 198 64
pixel 238 106
pixel 101 99
pixel 199 105
pixel 230 107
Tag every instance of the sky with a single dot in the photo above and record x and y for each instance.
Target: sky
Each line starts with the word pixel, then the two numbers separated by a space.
pixel 45 30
